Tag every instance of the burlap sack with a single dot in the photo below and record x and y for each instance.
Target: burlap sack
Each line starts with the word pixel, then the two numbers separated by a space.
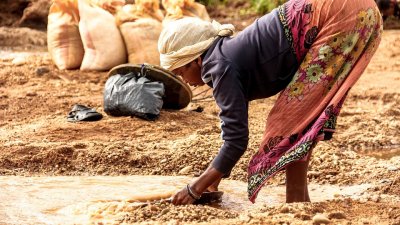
pixel 140 26
pixel 63 38
pixel 102 41
pixel 141 39
pixel 111 6
pixel 150 8
pixel 177 9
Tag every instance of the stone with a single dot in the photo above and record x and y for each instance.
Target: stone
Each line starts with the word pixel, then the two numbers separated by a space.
pixel 336 215
pixel 392 168
pixel 384 181
pixel 18 61
pixel 31 94
pixel 313 174
pixel 394 142
pixel 320 219
pixel 164 211
pixel 185 170
pixel 42 70
pixel 302 216
pixel 375 198
pixel 153 208
pixel 285 209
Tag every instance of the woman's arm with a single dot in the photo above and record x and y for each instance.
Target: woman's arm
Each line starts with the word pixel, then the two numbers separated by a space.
pixel 229 94
pixel 207 179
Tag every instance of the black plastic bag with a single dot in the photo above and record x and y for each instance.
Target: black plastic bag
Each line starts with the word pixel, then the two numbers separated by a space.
pixel 133 95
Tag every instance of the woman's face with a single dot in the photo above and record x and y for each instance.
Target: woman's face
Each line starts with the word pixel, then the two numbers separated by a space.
pixel 191 73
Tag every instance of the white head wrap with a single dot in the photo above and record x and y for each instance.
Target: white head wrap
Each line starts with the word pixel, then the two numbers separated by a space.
pixel 184 40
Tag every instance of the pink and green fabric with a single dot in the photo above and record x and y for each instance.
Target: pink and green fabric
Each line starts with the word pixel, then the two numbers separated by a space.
pixel 334 41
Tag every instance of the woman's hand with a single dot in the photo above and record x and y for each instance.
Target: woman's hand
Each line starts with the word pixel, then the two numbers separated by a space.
pixel 209 180
pixel 182 197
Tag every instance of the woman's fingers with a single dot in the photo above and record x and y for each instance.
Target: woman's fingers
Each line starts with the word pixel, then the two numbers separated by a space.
pixel 182 198
pixel 210 177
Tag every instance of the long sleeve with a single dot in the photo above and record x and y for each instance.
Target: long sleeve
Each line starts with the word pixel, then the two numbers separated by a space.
pixel 230 97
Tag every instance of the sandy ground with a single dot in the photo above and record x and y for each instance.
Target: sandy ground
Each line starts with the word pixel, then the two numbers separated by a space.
pixel 37 140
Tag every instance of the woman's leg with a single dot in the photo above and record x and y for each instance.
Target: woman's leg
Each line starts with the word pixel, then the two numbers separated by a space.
pixel 296 181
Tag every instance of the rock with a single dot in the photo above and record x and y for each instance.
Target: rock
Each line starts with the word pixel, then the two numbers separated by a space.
pixel 337 195
pixel 3 95
pixel 31 94
pixel 365 221
pixel 197 109
pixel 42 70
pixel 394 142
pixel 313 174
pixel 153 208
pixel 245 218
pixel 392 168
pixel 384 181
pixel 302 216
pixel 336 215
pixel 285 209
pixel 185 170
pixel 375 198
pixel 164 211
pixel 19 61
pixel 320 219
pixel 363 199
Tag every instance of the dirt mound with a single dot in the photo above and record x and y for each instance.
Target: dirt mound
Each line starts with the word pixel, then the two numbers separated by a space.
pixel 22 38
pixel 165 212
pixel 24 13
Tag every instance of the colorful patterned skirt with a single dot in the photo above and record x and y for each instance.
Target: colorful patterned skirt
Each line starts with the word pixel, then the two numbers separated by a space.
pixel 334 41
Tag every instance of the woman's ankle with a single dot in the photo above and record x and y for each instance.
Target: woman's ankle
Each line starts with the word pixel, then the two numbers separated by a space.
pixel 296 194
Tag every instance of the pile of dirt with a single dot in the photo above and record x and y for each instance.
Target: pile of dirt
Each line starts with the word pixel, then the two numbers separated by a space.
pixel 338 211
pixel 22 38
pixel 24 13
pixel 165 212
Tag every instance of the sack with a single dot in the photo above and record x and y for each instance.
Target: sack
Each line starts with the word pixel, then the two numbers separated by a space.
pixel 142 9
pixel 63 39
pixel 177 9
pixel 133 95
pixel 151 8
pixel 111 6
pixel 140 26
pixel 141 38
pixel 102 41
